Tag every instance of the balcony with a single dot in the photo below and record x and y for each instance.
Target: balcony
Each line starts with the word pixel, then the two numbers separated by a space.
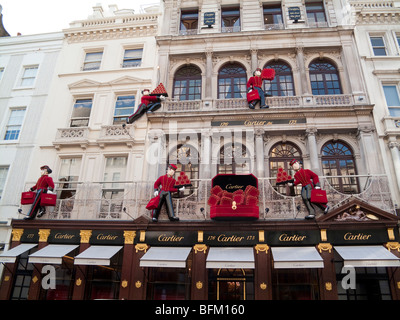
pixel 113 134
pixel 300 102
pixel 130 199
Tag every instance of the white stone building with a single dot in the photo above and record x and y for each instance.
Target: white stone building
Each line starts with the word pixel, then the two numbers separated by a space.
pixel 377 34
pixel 27 64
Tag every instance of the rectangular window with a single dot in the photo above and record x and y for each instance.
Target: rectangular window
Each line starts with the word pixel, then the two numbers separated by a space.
pixel 29 76
pixel 81 113
pixel 114 172
pixel 92 61
pixel 124 107
pixel 3 177
pixel 132 58
pixel 378 46
pixel 69 173
pixel 392 99
pixel 230 19
pixel 1 73
pixel 273 17
pixel 316 14
pixel 189 22
pixel 14 124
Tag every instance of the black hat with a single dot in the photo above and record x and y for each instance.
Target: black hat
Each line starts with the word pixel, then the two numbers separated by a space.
pixel 47 168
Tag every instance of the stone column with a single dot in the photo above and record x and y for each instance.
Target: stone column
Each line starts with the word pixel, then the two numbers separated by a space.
pixel 154 154
pixel 205 164
pixel 209 69
pixel 302 71
pixel 254 60
pixel 259 151
pixel 312 146
pixel 394 149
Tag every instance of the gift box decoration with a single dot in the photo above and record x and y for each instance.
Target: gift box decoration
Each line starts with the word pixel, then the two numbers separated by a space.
pixel 282 177
pixel 234 197
pixel 160 90
pixel 183 180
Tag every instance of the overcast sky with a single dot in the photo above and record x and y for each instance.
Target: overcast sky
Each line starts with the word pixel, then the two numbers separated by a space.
pixel 42 16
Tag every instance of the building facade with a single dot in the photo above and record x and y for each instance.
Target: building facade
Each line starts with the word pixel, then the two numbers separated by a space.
pixel 99 237
pixel 27 64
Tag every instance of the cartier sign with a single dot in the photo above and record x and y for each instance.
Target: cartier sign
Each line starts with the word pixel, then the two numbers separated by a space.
pixel 372 236
pixel 292 237
pixel 64 236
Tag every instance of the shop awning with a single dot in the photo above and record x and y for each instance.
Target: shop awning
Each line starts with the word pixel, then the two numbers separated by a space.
pixel 51 253
pixel 168 257
pixel 97 255
pixel 296 258
pixel 10 255
pixel 220 257
pixel 367 256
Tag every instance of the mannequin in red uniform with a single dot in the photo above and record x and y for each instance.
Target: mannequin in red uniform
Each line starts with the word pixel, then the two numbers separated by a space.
pixel 163 187
pixel 256 83
pixel 148 103
pixel 309 180
pixel 43 184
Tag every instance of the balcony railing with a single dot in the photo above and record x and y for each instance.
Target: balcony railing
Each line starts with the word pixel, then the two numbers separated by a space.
pixel 171 105
pixel 131 198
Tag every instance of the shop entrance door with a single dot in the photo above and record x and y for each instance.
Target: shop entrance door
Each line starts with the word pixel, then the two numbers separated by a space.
pixel 231 284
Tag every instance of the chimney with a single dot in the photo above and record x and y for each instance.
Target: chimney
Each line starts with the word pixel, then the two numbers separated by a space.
pixel 3 31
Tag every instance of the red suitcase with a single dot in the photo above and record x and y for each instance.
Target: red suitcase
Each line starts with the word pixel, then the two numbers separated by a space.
pixel 318 196
pixel 28 197
pixel 268 74
pixel 48 199
pixel 153 203
pixel 252 96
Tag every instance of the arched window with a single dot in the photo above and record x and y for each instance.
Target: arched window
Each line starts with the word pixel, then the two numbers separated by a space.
pixel 187 83
pixel 324 78
pixel 283 84
pixel 232 79
pixel 186 158
pixel 234 158
pixel 338 160
pixel 280 156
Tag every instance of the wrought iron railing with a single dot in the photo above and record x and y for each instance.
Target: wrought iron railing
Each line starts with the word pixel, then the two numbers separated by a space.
pixel 129 200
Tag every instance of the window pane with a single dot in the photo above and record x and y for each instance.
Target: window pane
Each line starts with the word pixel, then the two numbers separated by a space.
pixel 14 124
pixel 391 95
pixel 92 61
pixel 124 107
pixel 132 58
pixel 81 113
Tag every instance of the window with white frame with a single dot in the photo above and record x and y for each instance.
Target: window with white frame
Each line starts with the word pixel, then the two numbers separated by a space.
pixel 115 171
pixel 132 58
pixel 92 61
pixel 392 96
pixel 378 45
pixel 398 42
pixel 68 176
pixel 124 107
pixel 3 177
pixel 14 124
pixel 81 113
pixel 29 76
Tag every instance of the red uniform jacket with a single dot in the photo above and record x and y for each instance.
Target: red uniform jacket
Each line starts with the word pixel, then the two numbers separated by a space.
pixel 304 176
pixel 147 99
pixel 167 183
pixel 43 183
pixel 255 82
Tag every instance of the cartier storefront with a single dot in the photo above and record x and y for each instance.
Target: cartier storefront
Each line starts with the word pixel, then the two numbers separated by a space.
pixel 341 255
